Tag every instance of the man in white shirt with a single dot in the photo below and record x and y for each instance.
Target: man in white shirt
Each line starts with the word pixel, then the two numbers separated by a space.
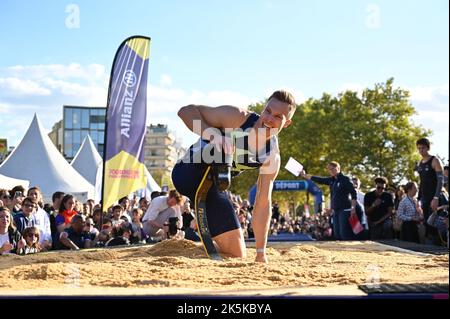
pixel 158 213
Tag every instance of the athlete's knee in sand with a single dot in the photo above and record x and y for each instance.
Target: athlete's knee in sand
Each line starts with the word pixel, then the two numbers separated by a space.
pixel 231 244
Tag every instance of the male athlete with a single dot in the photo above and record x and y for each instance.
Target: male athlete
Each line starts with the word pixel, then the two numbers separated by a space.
pixel 252 141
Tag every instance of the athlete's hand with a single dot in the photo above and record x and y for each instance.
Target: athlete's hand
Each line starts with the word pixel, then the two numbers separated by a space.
pixel 261 258
pixel 224 143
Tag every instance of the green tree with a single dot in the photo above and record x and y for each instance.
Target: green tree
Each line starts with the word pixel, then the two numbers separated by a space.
pixel 374 134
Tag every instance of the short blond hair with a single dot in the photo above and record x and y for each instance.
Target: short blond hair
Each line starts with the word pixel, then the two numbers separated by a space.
pixel 285 97
pixel 334 164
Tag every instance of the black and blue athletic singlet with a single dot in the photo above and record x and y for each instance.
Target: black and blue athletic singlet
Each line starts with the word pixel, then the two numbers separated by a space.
pixel 428 180
pixel 188 173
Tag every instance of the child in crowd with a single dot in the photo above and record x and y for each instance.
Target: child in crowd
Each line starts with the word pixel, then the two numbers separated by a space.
pixel 31 236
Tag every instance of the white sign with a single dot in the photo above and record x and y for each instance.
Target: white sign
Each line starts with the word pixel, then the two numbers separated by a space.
pixel 294 167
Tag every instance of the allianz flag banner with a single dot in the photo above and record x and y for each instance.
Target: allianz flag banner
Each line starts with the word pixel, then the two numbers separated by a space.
pixel 125 121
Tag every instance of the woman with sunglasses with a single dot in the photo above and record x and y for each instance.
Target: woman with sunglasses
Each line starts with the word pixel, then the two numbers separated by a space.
pixel 32 246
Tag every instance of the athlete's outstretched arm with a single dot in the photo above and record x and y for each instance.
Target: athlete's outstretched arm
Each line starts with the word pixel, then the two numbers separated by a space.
pixel 263 205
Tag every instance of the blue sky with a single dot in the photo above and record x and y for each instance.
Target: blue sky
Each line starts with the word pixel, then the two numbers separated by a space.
pixel 221 52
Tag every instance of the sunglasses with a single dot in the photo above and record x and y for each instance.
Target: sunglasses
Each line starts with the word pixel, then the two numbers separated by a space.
pixel 33 235
pixel 29 205
pixel 381 187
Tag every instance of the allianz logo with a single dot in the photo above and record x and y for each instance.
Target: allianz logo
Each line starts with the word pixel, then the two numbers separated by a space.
pixel 129 78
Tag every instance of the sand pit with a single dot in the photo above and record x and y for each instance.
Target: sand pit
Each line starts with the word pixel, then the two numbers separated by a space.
pixel 181 267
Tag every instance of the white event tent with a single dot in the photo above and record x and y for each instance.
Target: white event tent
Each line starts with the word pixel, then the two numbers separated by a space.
pixel 37 160
pixel 87 160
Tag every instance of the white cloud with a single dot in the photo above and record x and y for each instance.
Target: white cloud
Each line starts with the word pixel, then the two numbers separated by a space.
pixel 43 89
pixel 55 83
pixel 89 94
pixel 427 92
pixel 89 73
pixel 4 108
pixel 16 86
pixel 431 97
pixel 432 117
pixel 432 105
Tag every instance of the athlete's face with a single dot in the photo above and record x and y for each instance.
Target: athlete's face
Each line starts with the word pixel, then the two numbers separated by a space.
pixel 275 116
pixel 423 150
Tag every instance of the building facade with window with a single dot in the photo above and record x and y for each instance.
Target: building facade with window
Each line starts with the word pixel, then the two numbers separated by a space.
pixel 160 150
pixel 77 123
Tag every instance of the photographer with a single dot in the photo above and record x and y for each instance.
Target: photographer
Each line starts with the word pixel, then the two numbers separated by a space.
pixel 161 209
pixel 189 223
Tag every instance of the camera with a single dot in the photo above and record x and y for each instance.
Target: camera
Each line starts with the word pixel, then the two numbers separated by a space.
pixel 222 173
pixel 220 167
pixel 173 227
pixel 222 177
